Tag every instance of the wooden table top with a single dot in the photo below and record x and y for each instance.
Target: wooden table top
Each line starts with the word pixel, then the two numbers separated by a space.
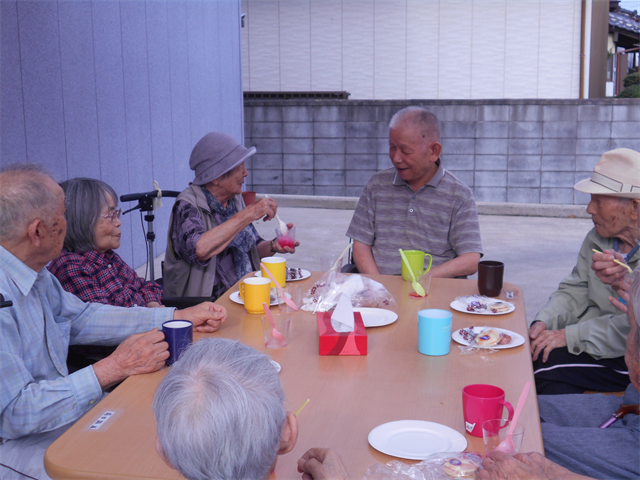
pixel 349 395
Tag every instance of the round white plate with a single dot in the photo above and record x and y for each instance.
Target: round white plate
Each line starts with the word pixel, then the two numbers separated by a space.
pixel 376 317
pixel 461 306
pixel 516 338
pixel 305 274
pixel 415 439
pixel 276 365
pixel 235 297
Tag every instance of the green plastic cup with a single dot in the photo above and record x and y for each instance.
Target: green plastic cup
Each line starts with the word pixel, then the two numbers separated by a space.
pixel 416 260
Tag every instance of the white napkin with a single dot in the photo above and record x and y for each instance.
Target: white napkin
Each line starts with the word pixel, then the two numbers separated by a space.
pixel 342 318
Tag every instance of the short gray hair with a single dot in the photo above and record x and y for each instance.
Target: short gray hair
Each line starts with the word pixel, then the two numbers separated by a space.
pixel 24 197
pixel 220 412
pixel 86 197
pixel 421 117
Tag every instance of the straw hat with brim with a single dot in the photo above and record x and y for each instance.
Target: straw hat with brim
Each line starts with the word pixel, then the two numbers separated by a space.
pixel 616 174
pixel 214 155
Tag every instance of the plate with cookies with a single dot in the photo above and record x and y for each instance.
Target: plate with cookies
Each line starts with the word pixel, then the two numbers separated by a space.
pixel 481 305
pixel 488 337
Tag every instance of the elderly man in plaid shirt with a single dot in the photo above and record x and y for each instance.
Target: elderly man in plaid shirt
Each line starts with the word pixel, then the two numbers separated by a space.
pixel 39 399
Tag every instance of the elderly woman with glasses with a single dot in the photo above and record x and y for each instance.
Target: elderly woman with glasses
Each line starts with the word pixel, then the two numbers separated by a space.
pixel 88 267
pixel 212 242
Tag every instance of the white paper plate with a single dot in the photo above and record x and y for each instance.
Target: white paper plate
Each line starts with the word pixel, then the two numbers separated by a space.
pixel 461 306
pixel 276 365
pixel 516 338
pixel 376 317
pixel 415 439
pixel 235 297
pixel 305 274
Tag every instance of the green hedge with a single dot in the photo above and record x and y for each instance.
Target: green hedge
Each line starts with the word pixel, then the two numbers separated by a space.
pixel 630 92
pixel 631 79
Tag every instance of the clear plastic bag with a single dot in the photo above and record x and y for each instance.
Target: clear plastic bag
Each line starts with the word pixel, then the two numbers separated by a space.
pixel 362 291
pixel 439 466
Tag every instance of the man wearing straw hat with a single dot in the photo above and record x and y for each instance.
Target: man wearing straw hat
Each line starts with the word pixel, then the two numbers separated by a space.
pixel 578 339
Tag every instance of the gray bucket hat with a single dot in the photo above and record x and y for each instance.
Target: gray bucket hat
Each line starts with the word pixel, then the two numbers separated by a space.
pixel 616 174
pixel 214 155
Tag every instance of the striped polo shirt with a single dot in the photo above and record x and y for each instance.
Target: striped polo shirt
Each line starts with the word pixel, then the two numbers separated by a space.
pixel 440 219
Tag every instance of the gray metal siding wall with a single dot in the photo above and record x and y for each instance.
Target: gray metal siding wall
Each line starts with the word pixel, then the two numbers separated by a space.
pixel 520 151
pixel 119 90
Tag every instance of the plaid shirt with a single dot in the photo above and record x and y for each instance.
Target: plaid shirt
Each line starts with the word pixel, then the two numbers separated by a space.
pixel 188 227
pixel 103 278
pixel 37 394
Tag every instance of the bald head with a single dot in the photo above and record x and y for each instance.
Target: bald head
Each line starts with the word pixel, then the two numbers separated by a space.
pixel 26 193
pixel 425 121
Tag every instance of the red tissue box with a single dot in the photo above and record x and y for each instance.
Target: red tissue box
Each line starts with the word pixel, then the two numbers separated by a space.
pixel 341 343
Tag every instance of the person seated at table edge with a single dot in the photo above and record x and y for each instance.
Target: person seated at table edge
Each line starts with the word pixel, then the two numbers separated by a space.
pixel 579 331
pixel 88 266
pixel 416 205
pixel 220 413
pixel 574 445
pixel 39 399
pixel 212 242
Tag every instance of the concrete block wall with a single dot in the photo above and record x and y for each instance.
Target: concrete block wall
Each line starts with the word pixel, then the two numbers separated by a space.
pixel 518 151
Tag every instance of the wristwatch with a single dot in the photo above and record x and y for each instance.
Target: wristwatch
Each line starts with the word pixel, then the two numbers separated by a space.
pixel 273 250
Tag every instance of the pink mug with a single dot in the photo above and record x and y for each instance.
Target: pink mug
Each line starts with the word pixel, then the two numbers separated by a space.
pixel 480 403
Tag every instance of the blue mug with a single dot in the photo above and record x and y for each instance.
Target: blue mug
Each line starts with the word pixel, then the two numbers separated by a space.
pixel 179 335
pixel 434 332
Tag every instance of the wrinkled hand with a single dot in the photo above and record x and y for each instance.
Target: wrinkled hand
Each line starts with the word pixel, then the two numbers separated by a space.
pixel 502 466
pixel 623 288
pixel 606 270
pixel 264 208
pixel 206 317
pixel 545 340
pixel 321 464
pixel 140 353
pixel 280 249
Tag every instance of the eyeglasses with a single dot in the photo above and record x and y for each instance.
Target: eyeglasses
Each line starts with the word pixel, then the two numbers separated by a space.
pixel 113 215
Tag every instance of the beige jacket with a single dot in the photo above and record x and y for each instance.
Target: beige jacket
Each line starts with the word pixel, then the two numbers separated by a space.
pixel 182 279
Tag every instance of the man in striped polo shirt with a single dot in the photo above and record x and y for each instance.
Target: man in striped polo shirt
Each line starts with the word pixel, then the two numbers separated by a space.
pixel 416 205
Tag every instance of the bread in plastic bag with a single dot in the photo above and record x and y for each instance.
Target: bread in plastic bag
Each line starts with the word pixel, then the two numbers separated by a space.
pixel 439 466
pixel 362 291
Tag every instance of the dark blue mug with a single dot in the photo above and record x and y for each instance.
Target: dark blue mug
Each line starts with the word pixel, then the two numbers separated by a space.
pixel 179 335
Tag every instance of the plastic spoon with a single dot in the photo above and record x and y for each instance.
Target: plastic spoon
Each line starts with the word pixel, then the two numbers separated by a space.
pixel 335 265
pixel 286 299
pixel 283 226
pixel 615 260
pixel 277 336
pixel 507 445
pixel 416 286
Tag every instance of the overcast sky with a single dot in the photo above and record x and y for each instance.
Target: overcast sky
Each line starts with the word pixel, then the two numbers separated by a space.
pixel 630 5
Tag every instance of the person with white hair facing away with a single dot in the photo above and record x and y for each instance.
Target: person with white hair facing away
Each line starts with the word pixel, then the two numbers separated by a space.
pixel 220 413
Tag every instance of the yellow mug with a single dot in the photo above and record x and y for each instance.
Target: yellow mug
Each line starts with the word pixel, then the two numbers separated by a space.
pixel 254 291
pixel 278 268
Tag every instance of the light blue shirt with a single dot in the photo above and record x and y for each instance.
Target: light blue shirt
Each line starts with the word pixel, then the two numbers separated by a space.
pixel 37 394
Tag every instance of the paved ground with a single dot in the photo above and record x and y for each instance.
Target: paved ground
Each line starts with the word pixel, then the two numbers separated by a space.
pixel 538 252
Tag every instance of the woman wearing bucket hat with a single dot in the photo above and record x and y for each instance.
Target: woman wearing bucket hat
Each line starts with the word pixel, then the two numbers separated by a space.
pixel 578 339
pixel 212 242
